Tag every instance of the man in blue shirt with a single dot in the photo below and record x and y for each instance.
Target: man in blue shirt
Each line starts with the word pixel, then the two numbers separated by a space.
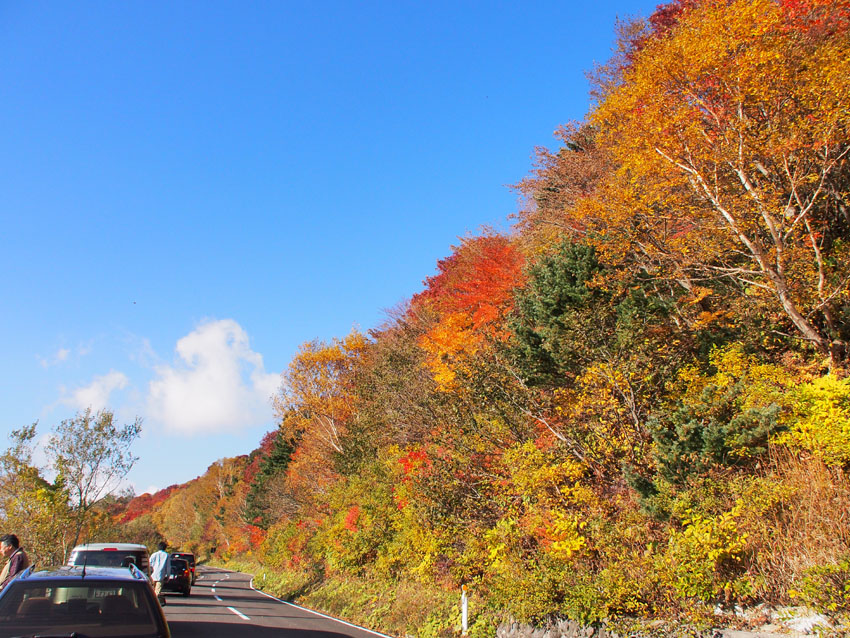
pixel 160 561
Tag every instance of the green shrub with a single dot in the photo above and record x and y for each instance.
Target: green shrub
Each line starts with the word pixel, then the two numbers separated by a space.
pixel 826 588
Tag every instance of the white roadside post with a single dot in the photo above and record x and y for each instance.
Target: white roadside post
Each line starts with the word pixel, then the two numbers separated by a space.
pixel 464 610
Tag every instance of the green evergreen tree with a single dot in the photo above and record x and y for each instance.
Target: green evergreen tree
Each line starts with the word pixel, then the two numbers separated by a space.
pixel 556 319
pixel 257 509
pixel 713 433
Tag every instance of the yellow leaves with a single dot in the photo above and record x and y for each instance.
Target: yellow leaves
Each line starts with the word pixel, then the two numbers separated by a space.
pixel 764 383
pixel 698 551
pixel 687 85
pixel 821 420
pixel 716 537
pixel 599 405
pixel 565 535
pixel 718 122
pixel 535 475
pixel 705 318
pixel 452 340
pixel 816 412
pixel 698 293
pixel 315 394
pixel 496 553
pixel 558 533
pixel 594 393
pixel 500 543
pixel 545 504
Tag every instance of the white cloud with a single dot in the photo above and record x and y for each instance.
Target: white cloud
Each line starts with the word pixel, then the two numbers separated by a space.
pixel 218 384
pixel 139 491
pixel 96 394
pixel 60 356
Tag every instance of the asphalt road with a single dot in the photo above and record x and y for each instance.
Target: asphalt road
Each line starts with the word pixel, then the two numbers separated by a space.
pixel 223 605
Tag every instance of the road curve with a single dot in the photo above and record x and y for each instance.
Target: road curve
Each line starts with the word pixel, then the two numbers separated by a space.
pixel 223 605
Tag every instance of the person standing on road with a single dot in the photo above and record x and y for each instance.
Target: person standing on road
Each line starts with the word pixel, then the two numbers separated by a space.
pixel 159 562
pixel 10 547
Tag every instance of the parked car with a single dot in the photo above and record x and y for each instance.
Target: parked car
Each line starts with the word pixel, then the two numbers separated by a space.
pixel 81 601
pixel 179 577
pixel 189 557
pixel 111 555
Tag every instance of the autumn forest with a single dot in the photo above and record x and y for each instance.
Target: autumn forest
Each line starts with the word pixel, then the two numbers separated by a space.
pixel 632 407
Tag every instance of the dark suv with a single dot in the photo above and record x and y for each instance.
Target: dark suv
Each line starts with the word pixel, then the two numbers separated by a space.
pixel 179 578
pixel 189 558
pixel 81 601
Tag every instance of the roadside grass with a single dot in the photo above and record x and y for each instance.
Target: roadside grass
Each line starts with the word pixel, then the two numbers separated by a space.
pixel 395 608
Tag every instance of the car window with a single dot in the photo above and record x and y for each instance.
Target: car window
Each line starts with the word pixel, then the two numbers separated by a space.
pixel 103 558
pixel 178 565
pixel 96 609
pixel 189 558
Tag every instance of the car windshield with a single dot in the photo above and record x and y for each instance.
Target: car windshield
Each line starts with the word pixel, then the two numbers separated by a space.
pixel 96 609
pixel 107 558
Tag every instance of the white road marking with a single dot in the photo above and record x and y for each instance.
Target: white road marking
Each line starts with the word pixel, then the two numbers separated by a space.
pixel 239 613
pixel 219 598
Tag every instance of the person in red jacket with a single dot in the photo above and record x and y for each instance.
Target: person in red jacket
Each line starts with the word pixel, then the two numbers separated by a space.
pixel 10 547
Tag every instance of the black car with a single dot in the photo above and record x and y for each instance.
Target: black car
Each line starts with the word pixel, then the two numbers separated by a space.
pixel 86 601
pixel 179 577
pixel 189 557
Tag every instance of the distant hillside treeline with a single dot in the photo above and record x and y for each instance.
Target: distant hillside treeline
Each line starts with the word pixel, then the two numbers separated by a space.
pixel 634 405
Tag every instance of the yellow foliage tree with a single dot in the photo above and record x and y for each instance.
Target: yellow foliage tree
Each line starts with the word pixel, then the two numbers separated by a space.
pixel 314 405
pixel 731 137
pixel 315 394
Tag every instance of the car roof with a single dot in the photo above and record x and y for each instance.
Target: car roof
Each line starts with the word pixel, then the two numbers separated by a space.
pixel 120 547
pixel 78 572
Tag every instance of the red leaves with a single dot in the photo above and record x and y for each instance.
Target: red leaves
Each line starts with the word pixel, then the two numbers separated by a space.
pixel 256 535
pixel 667 16
pixel 816 17
pixel 145 504
pixel 414 461
pixel 473 290
pixel 477 280
pixel 350 522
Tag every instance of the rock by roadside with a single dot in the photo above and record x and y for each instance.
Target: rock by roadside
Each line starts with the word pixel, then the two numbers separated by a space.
pixel 784 622
pixel 789 622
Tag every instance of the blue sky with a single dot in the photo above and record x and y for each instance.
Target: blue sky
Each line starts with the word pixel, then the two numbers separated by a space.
pixel 190 190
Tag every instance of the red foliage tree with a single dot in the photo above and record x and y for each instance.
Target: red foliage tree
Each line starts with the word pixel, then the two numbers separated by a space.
pixel 477 280
pixel 145 504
